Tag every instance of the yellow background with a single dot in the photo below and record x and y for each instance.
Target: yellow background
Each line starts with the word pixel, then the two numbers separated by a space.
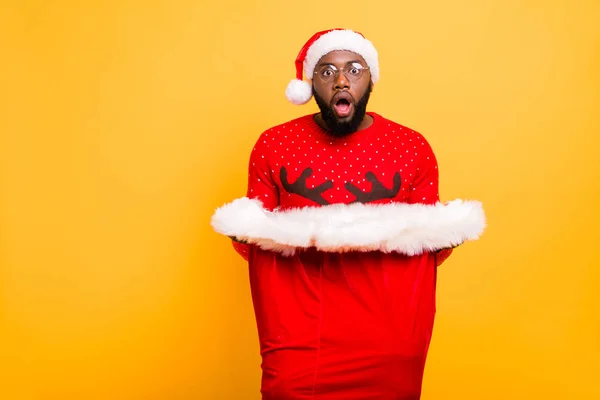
pixel 125 124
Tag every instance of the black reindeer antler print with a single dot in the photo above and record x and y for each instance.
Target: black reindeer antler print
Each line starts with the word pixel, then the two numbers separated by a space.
pixel 299 187
pixel 378 190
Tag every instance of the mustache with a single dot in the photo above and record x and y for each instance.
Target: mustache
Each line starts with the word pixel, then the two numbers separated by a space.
pixel 337 128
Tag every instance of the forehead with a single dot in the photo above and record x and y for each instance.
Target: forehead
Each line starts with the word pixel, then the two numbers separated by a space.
pixel 341 57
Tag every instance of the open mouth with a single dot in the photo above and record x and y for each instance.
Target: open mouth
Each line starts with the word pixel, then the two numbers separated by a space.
pixel 342 106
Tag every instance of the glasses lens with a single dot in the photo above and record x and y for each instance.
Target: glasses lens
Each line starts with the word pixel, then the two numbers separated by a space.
pixel 353 72
pixel 327 73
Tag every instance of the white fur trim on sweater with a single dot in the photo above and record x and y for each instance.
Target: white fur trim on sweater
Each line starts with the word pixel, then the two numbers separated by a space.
pixel 398 227
pixel 342 40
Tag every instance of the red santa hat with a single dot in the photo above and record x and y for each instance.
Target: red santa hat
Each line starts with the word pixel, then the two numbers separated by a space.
pixel 300 92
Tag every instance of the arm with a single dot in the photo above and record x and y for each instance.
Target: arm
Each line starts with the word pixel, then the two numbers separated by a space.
pixel 425 187
pixel 261 185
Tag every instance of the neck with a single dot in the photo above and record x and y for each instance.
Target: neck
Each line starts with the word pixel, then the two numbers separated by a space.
pixel 366 122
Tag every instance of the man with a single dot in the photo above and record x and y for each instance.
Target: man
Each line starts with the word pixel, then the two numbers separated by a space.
pixel 343 231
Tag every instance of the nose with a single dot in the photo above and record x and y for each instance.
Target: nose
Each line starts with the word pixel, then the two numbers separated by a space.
pixel 341 81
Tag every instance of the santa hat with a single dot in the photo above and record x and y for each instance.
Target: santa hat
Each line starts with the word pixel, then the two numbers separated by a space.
pixel 300 92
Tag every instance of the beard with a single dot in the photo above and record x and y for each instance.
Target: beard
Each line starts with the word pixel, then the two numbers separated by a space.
pixel 339 128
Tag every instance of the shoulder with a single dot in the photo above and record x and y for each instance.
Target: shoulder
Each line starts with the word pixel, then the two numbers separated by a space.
pixel 290 125
pixel 408 138
pixel 403 132
pixel 273 137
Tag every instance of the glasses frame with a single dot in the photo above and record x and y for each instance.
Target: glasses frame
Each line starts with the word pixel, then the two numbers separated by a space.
pixel 336 72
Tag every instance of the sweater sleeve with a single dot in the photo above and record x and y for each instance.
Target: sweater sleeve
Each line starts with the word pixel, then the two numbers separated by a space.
pixel 260 185
pixel 425 187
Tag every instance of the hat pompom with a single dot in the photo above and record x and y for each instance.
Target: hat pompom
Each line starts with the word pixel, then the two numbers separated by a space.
pixel 298 92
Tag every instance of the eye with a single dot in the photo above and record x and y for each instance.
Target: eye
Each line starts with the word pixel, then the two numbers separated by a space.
pixel 355 69
pixel 328 72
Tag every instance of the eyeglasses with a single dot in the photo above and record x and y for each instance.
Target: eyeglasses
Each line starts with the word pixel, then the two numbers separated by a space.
pixel 353 71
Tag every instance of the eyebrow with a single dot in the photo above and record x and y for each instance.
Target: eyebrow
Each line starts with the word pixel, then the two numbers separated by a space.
pixel 330 63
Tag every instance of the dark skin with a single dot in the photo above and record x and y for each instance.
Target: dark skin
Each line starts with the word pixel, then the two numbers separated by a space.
pixel 357 89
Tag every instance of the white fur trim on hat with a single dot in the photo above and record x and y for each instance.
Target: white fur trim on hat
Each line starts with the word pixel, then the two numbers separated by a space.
pixel 321 43
pixel 342 40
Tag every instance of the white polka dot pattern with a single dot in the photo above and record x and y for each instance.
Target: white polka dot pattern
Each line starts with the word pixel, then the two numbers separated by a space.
pixel 383 149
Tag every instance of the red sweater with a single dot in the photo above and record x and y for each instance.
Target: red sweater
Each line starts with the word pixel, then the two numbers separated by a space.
pixel 343 237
